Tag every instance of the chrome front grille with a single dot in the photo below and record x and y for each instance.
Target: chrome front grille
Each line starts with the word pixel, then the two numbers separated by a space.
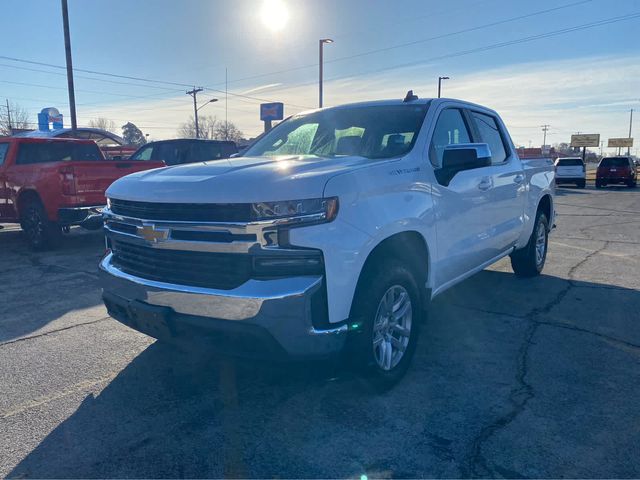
pixel 183 212
pixel 222 271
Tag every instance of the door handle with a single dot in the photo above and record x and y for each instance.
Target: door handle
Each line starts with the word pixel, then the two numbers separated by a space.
pixel 518 178
pixel 485 183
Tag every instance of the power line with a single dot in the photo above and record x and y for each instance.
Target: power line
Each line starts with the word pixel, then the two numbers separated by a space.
pixel 416 42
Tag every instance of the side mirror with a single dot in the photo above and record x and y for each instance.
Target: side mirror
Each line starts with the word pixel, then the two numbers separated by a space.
pixel 462 156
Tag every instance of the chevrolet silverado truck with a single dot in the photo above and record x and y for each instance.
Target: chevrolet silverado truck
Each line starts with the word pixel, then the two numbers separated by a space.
pixel 331 234
pixel 47 185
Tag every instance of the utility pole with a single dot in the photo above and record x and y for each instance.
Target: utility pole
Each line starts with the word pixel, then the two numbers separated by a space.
pixel 226 102
pixel 545 128
pixel 194 94
pixel 67 51
pixel 321 43
pixel 630 125
pixel 9 117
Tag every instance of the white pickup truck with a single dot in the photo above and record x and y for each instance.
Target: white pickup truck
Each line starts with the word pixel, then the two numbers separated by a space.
pixel 331 234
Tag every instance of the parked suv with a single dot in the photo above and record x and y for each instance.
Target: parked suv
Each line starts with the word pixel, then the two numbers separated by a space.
pixel 48 184
pixel 616 170
pixel 185 150
pixel 571 170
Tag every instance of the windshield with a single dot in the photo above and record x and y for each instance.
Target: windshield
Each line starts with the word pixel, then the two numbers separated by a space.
pixel 381 131
pixel 570 162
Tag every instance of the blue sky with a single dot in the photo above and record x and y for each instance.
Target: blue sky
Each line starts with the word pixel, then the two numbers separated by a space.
pixel 584 80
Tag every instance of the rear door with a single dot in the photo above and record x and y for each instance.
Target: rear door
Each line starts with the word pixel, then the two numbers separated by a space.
pixel 506 194
pixel 570 168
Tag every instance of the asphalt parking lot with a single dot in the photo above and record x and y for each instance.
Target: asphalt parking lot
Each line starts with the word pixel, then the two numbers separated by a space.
pixel 512 377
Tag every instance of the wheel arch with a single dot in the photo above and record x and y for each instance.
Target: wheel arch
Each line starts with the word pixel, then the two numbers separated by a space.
pixel 545 204
pixel 410 247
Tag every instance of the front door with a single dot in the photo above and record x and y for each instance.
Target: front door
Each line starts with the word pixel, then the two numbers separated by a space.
pixel 461 206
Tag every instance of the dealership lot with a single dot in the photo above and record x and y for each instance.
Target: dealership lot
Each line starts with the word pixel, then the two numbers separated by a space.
pixel 513 377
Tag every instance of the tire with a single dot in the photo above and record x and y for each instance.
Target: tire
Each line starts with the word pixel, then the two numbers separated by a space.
pixel 598 184
pixel 383 347
pixel 632 184
pixel 40 232
pixel 581 184
pixel 529 261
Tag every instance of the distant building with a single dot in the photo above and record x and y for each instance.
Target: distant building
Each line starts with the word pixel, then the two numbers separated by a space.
pixel 548 152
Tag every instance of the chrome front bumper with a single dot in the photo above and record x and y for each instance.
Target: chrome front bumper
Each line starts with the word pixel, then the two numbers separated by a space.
pixel 281 307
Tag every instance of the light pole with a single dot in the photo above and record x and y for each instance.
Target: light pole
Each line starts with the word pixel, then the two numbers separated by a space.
pixel 321 44
pixel 440 84
pixel 67 51
pixel 196 114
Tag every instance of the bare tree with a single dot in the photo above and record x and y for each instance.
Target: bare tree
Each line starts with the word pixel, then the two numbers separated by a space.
pixel 206 125
pixel 103 124
pixel 228 131
pixel 17 118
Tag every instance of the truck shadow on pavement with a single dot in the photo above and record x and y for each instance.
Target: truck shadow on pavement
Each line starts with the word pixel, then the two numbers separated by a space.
pixel 40 287
pixel 512 378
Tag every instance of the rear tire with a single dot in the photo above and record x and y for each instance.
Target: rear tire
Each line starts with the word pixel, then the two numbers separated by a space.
pixel 529 261
pixel 632 184
pixel 387 305
pixel 581 184
pixel 40 232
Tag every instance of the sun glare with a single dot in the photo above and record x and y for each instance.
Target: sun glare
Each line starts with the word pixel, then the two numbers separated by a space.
pixel 274 14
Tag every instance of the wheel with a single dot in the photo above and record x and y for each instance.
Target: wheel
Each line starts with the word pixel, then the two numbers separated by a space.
pixel 581 184
pixel 41 233
pixel 529 261
pixel 388 305
pixel 632 184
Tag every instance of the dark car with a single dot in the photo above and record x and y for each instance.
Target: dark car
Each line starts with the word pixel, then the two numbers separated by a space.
pixel 185 150
pixel 619 170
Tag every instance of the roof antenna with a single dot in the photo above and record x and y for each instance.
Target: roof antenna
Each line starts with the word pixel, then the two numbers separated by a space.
pixel 410 97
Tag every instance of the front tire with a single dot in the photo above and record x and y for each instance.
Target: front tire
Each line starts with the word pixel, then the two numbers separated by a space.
pixel 529 261
pixel 388 306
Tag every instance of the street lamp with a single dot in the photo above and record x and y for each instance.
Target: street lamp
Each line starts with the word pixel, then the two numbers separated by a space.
pixel 440 84
pixel 321 44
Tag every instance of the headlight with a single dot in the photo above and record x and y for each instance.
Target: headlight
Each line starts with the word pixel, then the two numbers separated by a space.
pixel 314 210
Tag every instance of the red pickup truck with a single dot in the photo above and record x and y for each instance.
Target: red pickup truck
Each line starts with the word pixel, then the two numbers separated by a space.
pixel 48 185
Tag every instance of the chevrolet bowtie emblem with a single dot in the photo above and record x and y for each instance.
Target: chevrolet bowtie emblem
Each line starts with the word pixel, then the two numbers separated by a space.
pixel 152 234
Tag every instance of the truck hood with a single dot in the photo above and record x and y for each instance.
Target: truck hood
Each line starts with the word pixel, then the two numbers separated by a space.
pixel 235 180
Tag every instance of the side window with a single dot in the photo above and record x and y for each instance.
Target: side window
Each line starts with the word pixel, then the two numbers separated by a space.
pixel 490 134
pixel 450 130
pixel 4 147
pixel 144 154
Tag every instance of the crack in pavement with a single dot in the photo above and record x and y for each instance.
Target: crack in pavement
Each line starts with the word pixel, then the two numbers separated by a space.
pixel 477 465
pixel 44 334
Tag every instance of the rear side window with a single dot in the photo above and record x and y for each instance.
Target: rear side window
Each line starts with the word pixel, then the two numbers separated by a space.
pixel 57 152
pixel 490 134
pixel 4 147
pixel 615 162
pixel 203 151
pixel 570 162
pixel 450 129
pixel 143 154
pixel 172 153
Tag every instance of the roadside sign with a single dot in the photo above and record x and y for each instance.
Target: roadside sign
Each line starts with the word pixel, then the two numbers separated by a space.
pixel 585 140
pixel 271 111
pixel 620 142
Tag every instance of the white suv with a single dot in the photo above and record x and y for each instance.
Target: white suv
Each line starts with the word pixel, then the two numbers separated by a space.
pixel 571 170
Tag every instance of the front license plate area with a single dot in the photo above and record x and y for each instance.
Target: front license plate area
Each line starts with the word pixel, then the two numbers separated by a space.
pixel 151 319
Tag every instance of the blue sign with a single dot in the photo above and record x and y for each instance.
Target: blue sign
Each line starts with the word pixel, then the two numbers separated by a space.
pixel 271 111
pixel 49 115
